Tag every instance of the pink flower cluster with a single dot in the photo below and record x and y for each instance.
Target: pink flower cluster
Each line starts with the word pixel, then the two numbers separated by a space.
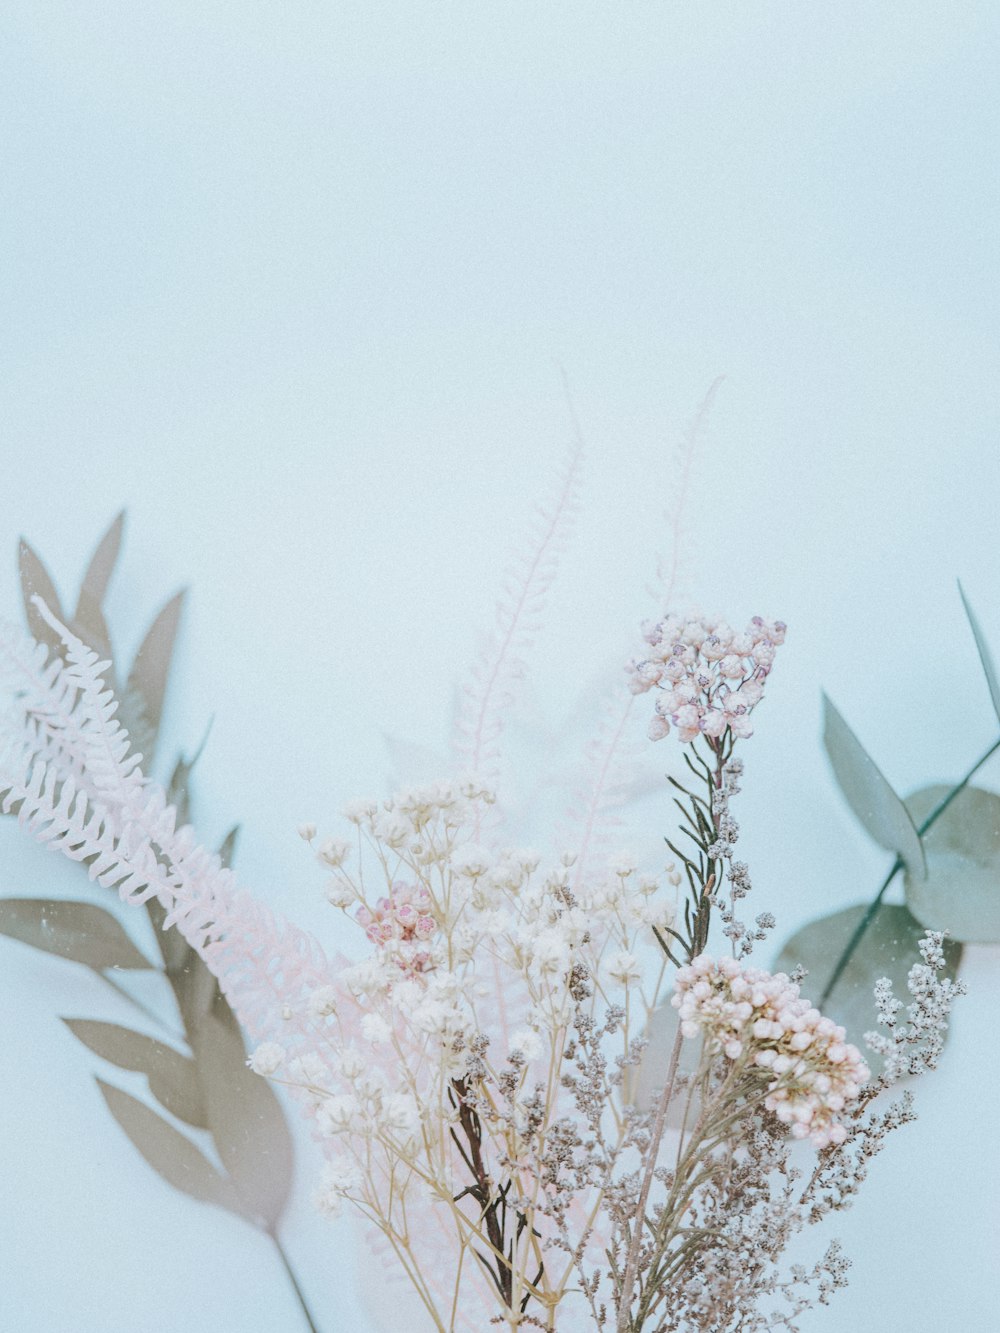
pixel 405 917
pixel 710 676
pixel 750 1013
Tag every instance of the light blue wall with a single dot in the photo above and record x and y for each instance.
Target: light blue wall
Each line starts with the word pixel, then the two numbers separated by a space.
pixel 294 282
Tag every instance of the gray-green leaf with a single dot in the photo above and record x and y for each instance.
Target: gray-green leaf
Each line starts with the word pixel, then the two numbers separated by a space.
pixel 985 656
pixel 228 848
pixel 961 893
pixel 868 793
pixel 101 567
pixel 888 948
pixel 148 677
pixel 80 932
pixel 35 582
pixel 173 1077
pixel 646 1081
pixel 245 1117
pixel 169 1153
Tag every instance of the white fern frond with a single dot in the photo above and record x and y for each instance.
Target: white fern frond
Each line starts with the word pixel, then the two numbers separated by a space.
pixel 113 769
pixel 65 765
pixel 492 682
pixel 610 759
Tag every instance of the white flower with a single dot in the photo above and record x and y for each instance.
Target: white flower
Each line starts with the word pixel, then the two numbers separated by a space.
pixel 393 830
pixel 360 812
pixel 528 1042
pixel 375 1029
pixel 267 1058
pixel 337 1115
pixel 658 912
pixel 352 1063
pixel 624 968
pixel 367 978
pixel 323 1002
pixel 339 893
pixel 401 1115
pixel 309 1070
pixel 334 851
pixel 470 861
pixel 340 1177
pixel 307 832
pixel 549 954
pixel 623 865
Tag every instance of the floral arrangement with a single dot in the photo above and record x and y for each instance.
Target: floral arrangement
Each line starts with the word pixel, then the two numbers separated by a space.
pixel 480 1079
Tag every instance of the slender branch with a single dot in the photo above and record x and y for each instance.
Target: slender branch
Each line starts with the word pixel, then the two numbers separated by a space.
pixel 294 1281
pixel 656 1134
pixel 897 866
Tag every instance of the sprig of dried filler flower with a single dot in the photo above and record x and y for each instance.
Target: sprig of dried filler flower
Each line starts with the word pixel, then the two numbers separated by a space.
pixel 468 1077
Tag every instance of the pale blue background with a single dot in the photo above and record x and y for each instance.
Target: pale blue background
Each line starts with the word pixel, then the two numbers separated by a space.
pixel 293 282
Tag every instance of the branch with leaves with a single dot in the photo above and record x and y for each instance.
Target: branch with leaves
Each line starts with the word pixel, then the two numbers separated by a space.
pixel 946 841
pixel 196 1065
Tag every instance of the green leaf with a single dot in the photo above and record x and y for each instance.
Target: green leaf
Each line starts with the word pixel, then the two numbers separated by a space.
pixel 173 1077
pixel 888 948
pixel 244 1115
pixel 643 1083
pixel 35 582
pixel 868 793
pixel 169 1153
pixel 961 893
pixel 148 677
pixel 88 620
pixel 80 932
pixel 985 656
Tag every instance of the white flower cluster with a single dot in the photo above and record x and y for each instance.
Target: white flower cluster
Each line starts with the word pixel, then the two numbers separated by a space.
pixel 762 1020
pixel 710 677
pixel 472 973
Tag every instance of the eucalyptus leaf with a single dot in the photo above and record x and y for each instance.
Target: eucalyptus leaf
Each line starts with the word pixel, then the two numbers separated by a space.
pixel 646 1081
pixel 178 792
pixel 148 677
pixel 173 1077
pixel 888 948
pixel 245 1117
pixel 228 848
pixel 172 1156
pixel 35 582
pixel 869 794
pixel 88 620
pixel 102 565
pixel 961 893
pixel 195 988
pixel 985 656
pixel 78 931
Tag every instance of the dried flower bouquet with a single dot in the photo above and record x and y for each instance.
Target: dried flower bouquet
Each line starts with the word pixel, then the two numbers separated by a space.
pixel 477 1080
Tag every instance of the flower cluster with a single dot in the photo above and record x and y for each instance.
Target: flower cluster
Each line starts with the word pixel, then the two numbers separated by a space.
pixel 402 922
pixel 763 1021
pixel 710 677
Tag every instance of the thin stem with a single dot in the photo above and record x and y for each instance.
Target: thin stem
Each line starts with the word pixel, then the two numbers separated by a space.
pixel 897 866
pixel 652 1152
pixel 294 1281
